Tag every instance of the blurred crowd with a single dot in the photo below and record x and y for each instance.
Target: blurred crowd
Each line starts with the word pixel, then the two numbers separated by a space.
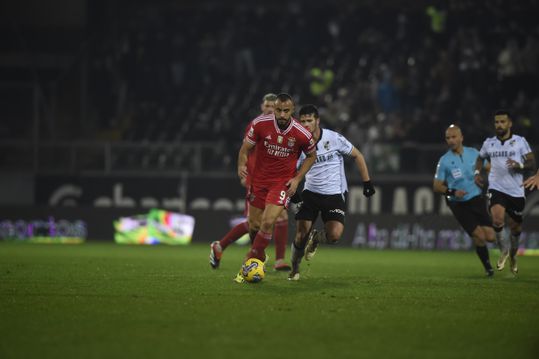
pixel 164 72
pixel 188 72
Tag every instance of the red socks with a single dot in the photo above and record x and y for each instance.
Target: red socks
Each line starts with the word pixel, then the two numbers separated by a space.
pixel 260 243
pixel 234 234
pixel 280 235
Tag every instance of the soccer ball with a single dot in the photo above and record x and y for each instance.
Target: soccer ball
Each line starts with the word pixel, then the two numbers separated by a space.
pixel 253 270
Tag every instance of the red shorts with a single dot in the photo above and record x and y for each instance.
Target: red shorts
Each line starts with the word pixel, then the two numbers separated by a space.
pixel 259 196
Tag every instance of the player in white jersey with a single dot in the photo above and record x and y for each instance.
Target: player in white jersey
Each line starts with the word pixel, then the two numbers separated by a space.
pixel 509 156
pixel 324 189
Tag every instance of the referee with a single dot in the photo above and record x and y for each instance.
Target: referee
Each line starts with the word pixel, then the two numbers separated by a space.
pixel 454 178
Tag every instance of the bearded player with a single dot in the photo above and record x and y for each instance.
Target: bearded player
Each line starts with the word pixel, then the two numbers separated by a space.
pixel 280 232
pixel 278 140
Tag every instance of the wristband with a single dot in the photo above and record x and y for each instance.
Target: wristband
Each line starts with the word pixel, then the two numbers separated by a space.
pixel 476 172
pixel 450 192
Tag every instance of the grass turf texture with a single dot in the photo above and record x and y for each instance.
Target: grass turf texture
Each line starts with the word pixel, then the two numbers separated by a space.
pixel 105 300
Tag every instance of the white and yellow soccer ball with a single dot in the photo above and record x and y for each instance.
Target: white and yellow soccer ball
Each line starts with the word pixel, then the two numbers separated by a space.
pixel 253 270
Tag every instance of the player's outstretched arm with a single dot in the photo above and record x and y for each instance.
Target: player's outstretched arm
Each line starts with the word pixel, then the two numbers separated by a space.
pixel 293 183
pixel 361 164
pixel 532 182
pixel 359 159
pixel 246 147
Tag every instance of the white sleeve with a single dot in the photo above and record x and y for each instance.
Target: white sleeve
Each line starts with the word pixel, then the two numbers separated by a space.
pixel 525 148
pixel 343 145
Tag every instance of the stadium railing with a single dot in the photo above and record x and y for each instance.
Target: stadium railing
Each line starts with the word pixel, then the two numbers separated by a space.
pixel 76 157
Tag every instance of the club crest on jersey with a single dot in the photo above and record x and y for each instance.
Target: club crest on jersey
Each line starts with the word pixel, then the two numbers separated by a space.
pixel 279 139
pixel 291 141
pixel 512 143
pixel 326 145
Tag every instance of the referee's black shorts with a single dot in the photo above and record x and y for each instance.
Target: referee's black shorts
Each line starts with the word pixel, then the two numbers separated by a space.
pixel 471 213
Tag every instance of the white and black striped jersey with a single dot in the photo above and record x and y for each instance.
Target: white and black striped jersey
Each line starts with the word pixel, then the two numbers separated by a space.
pixel 327 176
pixel 497 152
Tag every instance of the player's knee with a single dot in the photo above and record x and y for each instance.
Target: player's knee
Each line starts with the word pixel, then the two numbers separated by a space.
pixel 333 237
pixel 497 222
pixel 254 225
pixel 300 240
pixel 266 227
pixel 490 236
pixel 479 238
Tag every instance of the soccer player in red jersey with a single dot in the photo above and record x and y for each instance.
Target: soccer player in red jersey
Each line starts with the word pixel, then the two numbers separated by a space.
pixel 278 140
pixel 280 232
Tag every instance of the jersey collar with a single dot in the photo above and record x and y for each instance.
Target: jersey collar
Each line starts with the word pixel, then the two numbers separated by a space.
pixel 319 138
pixel 286 130
pixel 503 141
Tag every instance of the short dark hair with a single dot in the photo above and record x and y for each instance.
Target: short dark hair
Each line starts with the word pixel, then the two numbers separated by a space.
pixel 309 110
pixel 503 112
pixel 269 97
pixel 283 97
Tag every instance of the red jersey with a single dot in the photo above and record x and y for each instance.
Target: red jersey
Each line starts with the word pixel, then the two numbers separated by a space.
pixel 251 161
pixel 277 151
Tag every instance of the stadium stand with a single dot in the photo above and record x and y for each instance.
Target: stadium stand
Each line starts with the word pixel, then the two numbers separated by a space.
pixel 184 72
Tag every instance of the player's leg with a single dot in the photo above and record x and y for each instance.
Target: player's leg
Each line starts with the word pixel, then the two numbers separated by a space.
pixel 303 228
pixel 515 224
pixel 473 217
pixel 280 237
pixel 263 237
pixel 256 209
pixel 217 247
pixel 332 209
pixel 305 217
pixel 483 233
pixel 497 212
pixel 254 219
pixel 237 231
pixel 479 236
pixel 516 229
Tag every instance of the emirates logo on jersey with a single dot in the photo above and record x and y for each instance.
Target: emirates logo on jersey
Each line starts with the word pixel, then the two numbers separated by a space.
pixel 266 140
pixel 291 141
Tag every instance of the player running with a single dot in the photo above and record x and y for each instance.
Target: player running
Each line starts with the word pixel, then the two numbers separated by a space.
pixel 509 156
pixel 280 232
pixel 324 190
pixel 278 140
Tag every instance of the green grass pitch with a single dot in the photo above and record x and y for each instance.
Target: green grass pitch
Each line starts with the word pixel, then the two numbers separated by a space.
pixel 112 301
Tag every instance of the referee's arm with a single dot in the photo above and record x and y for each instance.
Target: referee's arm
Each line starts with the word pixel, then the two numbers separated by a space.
pixel 439 186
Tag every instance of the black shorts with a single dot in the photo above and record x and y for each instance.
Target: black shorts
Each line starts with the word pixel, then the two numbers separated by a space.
pixel 513 205
pixel 332 207
pixel 471 213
